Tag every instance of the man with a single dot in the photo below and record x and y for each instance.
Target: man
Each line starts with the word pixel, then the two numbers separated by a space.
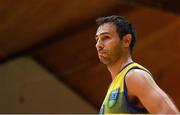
pixel 133 89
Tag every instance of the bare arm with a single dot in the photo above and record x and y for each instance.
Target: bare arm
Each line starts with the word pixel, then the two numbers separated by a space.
pixel 141 85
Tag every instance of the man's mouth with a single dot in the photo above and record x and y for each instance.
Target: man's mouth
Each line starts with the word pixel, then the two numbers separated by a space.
pixel 101 54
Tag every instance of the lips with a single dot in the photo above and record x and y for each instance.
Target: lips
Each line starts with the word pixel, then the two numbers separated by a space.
pixel 101 54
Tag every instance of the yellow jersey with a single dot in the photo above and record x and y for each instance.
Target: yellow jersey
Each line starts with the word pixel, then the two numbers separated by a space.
pixel 116 100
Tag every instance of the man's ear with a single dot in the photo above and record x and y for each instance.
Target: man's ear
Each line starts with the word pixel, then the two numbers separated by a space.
pixel 127 40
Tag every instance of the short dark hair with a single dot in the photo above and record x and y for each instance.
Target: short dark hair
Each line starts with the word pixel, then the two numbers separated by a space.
pixel 122 25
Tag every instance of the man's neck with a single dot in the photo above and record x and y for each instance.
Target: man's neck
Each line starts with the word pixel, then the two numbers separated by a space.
pixel 115 68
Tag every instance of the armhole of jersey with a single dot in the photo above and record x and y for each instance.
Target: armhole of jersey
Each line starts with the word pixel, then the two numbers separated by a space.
pixel 125 91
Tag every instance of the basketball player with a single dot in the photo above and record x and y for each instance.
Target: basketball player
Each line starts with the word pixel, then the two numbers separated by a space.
pixel 133 89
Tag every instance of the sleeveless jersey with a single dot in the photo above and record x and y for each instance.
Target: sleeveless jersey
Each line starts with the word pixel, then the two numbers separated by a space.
pixel 116 100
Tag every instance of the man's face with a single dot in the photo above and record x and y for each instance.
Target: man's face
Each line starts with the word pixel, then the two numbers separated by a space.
pixel 109 46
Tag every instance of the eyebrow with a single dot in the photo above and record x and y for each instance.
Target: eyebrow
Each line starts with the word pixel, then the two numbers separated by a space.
pixel 102 34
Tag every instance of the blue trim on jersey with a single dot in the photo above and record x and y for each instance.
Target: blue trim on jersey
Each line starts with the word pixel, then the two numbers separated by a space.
pixel 126 66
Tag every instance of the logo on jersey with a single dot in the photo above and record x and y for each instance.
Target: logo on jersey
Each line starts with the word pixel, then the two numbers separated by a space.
pixel 113 97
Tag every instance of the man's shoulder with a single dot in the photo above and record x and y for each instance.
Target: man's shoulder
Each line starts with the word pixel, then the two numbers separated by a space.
pixel 138 78
pixel 138 72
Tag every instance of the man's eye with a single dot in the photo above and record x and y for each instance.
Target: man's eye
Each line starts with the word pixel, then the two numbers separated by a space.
pixel 106 37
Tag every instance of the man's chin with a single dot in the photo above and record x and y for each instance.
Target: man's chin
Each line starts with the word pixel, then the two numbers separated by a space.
pixel 104 61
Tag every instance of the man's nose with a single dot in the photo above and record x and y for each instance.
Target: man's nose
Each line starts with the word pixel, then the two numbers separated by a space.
pixel 99 45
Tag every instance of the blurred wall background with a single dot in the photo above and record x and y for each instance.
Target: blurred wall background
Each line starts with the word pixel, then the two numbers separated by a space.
pixel 26 87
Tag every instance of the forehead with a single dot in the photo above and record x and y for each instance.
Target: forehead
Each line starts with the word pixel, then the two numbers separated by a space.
pixel 106 28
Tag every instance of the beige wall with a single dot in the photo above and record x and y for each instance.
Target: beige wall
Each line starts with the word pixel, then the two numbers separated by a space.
pixel 26 87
